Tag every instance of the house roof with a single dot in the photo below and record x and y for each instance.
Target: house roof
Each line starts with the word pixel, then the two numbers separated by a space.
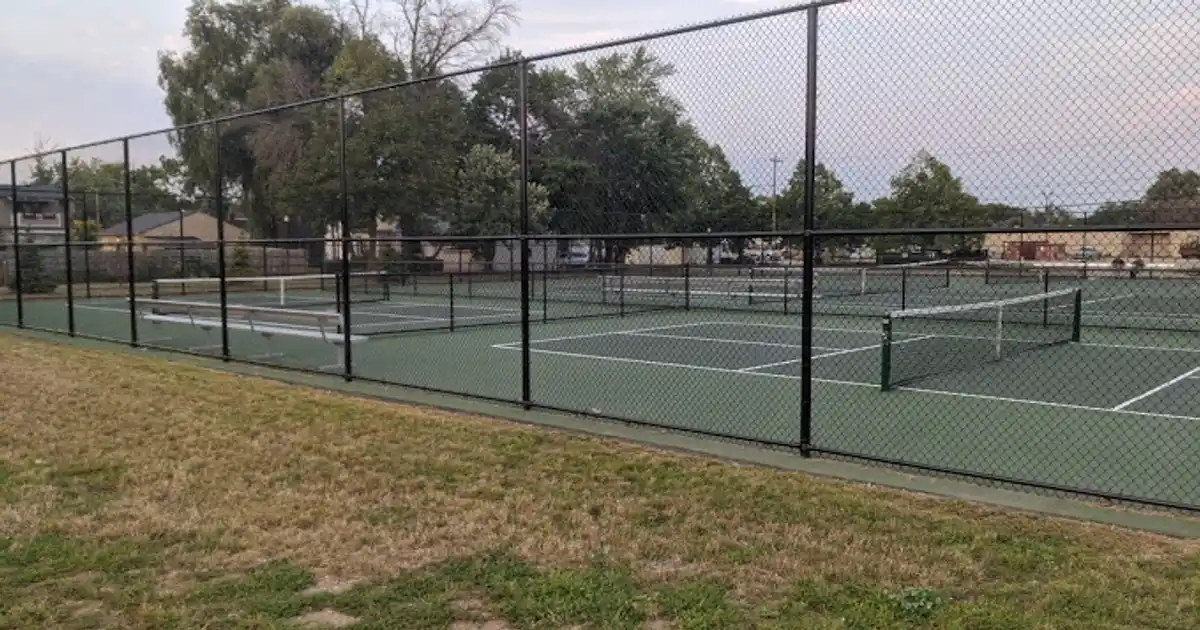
pixel 33 192
pixel 144 223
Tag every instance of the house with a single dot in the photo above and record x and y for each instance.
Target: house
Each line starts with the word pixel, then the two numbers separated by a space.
pixel 169 229
pixel 1165 245
pixel 39 213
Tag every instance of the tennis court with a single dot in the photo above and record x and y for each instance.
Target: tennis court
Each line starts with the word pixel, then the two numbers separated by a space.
pixel 1031 395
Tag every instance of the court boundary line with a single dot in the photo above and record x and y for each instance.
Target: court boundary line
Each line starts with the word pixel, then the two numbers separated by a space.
pixel 742 371
pixel 1167 385
pixel 876 332
pixel 858 384
pixel 651 335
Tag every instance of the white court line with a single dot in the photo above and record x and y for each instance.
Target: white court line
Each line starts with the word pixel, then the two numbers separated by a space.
pixel 718 340
pixel 837 353
pixel 1110 299
pixel 404 304
pixel 609 333
pixel 1156 390
pixel 859 331
pixel 933 392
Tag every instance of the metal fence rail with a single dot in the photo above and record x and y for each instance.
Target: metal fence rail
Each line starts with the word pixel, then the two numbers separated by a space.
pixel 956 276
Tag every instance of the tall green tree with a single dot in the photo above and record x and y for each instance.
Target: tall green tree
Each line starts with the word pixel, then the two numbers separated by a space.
pixel 97 188
pixel 1174 197
pixel 242 56
pixel 626 158
pixel 926 194
pixel 489 202
pixel 835 206
pixel 1117 213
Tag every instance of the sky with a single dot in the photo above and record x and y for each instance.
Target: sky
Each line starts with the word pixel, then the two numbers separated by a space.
pixel 1028 101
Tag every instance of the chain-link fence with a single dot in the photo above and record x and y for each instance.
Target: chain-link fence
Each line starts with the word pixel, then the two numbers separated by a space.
pixel 962 238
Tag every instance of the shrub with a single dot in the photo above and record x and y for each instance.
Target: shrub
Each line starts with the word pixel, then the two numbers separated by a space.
pixel 34 277
pixel 241 261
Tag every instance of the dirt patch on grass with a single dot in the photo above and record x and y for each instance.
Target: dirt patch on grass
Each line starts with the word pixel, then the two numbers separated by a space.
pixel 325 619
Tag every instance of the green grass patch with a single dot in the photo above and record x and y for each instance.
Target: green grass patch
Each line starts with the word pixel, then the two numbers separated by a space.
pixel 136 493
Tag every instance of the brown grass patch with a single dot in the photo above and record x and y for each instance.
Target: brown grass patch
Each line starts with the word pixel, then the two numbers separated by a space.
pixel 261 471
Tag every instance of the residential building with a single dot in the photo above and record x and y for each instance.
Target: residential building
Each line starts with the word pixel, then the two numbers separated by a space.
pixel 39 213
pixel 169 229
pixel 1162 245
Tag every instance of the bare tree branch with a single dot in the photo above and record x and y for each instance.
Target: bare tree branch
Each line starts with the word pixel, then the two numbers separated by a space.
pixel 356 16
pixel 434 36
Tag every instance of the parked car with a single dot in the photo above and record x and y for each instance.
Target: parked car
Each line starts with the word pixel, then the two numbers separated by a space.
pixel 575 259
pixel 1087 253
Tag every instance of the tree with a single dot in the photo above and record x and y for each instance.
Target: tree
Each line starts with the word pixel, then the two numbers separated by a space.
pixel 243 56
pixel 97 188
pixel 1003 215
pixel 1117 213
pixel 35 279
pixel 489 202
pixel 925 194
pixel 1174 197
pixel 835 207
pixel 624 160
pixel 429 37
pixel 719 200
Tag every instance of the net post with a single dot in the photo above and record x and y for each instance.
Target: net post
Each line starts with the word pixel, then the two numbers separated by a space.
pixel 127 177
pixel 903 289
pixel 451 302
pixel 1045 303
pixel 787 285
pixel 87 239
pixel 621 289
pixel 545 283
pixel 1077 319
pixel 16 242
pixel 885 355
pixel 750 292
pixel 810 205
pixel 1000 332
pixel 687 283
pixel 66 215
pixel 344 292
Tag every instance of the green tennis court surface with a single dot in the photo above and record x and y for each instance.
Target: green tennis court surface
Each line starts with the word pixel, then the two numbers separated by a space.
pixel 1118 411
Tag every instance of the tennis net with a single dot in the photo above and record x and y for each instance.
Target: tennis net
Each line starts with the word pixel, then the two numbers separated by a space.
pixel 676 292
pixel 850 281
pixel 924 342
pixel 293 291
pixel 1002 272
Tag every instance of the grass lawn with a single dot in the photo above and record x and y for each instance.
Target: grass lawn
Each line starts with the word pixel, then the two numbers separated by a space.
pixel 136 493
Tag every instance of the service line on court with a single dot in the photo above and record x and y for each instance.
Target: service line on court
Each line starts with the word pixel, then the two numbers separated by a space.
pixel 837 352
pixel 1167 385
pixel 1122 410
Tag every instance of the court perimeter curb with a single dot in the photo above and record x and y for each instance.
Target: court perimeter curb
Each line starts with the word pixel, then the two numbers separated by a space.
pixel 1157 523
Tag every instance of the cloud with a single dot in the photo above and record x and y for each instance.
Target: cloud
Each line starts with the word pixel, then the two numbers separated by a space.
pixel 1018 97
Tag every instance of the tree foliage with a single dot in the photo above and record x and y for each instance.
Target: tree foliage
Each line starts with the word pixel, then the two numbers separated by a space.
pixel 610 150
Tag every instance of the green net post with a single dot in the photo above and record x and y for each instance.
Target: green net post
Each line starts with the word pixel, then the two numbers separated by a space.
pixel 687 284
pixel 1077 321
pixel 621 290
pixel 451 302
pixel 787 285
pixel 1045 303
pixel 885 355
